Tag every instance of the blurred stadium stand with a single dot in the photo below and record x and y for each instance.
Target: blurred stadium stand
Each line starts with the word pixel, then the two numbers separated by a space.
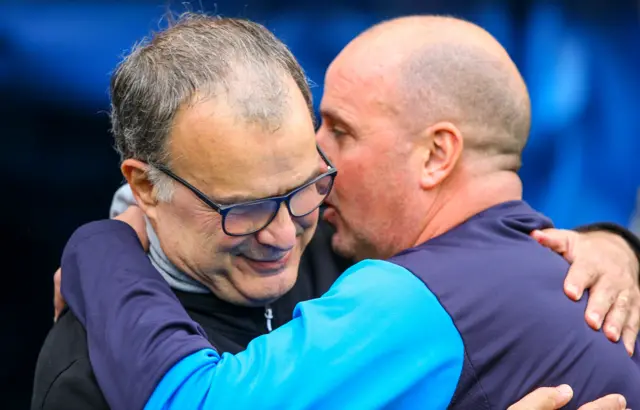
pixel 581 60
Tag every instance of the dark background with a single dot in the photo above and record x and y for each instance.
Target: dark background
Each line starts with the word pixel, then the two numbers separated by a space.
pixel 581 60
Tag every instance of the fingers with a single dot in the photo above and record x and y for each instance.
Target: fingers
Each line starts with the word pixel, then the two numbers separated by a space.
pixel 602 296
pixel 617 317
pixel 557 240
pixel 134 217
pixel 581 275
pixel 552 398
pixel 600 262
pixel 58 301
pixel 603 264
pixel 610 402
pixel 630 329
pixel 545 398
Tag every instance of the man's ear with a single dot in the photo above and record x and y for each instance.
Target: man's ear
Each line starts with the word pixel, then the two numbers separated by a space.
pixel 135 173
pixel 442 146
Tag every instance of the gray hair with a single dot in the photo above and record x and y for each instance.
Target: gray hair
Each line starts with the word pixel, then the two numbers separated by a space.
pixel 198 56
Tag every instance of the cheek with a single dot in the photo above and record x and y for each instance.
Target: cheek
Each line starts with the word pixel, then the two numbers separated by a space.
pixel 370 195
pixel 197 228
pixel 355 186
pixel 307 225
pixel 208 233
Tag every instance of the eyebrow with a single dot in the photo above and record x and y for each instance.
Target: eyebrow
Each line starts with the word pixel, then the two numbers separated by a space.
pixel 333 116
pixel 239 199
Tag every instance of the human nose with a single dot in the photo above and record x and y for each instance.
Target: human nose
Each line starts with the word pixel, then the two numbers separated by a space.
pixel 281 232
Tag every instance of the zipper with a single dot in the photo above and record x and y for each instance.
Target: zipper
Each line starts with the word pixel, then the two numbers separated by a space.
pixel 268 314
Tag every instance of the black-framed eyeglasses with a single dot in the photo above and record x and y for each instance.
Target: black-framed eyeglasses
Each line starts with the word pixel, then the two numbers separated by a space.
pixel 246 218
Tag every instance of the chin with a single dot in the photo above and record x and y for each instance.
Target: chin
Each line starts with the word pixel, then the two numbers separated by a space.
pixel 264 290
pixel 341 248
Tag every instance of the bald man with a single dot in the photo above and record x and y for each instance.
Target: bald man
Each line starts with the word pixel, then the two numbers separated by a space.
pixel 454 305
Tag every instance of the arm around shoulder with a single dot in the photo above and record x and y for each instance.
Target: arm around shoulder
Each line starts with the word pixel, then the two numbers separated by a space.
pixel 378 337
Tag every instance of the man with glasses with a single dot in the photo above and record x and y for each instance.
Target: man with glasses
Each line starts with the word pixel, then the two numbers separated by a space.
pixel 240 251
pixel 247 218
pixel 238 110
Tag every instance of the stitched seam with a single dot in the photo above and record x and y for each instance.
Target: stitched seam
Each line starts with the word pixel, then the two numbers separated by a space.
pixel 464 344
pixel 44 399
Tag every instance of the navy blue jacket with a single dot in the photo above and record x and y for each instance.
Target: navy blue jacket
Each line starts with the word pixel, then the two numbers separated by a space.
pixel 64 378
pixel 472 319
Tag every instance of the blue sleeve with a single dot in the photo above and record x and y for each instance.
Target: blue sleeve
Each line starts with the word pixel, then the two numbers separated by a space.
pixel 378 338
pixel 107 277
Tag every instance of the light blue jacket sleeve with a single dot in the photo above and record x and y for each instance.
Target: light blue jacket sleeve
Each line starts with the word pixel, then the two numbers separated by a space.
pixel 378 338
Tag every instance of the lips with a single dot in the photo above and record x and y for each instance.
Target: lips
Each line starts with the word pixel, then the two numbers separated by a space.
pixel 330 214
pixel 267 266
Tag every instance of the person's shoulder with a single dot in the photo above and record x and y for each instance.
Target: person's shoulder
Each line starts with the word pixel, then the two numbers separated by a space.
pixel 373 286
pixel 521 278
pixel 64 378
pixel 73 388
pixel 375 278
pixel 516 293
pixel 67 339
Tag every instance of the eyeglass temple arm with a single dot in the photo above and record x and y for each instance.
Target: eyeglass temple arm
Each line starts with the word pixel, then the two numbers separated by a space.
pixel 324 157
pixel 193 189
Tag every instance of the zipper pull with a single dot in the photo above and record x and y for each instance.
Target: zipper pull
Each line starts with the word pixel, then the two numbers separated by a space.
pixel 268 314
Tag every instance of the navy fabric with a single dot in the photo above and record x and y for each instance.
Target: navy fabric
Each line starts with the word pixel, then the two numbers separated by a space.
pixel 346 349
pixel 355 350
pixel 64 378
pixel 504 293
pixel 145 292
pixel 502 290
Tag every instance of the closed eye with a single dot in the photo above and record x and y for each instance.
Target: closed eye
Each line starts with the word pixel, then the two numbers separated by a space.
pixel 337 132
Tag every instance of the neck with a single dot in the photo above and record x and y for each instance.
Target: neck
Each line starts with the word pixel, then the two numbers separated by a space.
pixel 174 276
pixel 177 279
pixel 460 201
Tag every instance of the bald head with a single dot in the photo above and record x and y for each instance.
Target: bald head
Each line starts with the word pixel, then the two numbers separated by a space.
pixel 446 69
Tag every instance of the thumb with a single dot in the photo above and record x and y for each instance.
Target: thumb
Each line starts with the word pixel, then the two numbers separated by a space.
pixel 134 217
pixel 58 300
pixel 545 398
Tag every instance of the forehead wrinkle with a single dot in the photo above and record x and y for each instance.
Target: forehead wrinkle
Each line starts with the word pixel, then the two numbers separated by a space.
pixel 241 198
pixel 226 145
pixel 265 178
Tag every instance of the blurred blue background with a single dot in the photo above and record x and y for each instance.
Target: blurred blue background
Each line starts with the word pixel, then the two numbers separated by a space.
pixel 581 60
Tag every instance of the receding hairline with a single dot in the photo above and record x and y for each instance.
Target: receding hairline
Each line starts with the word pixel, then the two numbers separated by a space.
pixel 229 105
pixel 164 71
pixel 168 58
